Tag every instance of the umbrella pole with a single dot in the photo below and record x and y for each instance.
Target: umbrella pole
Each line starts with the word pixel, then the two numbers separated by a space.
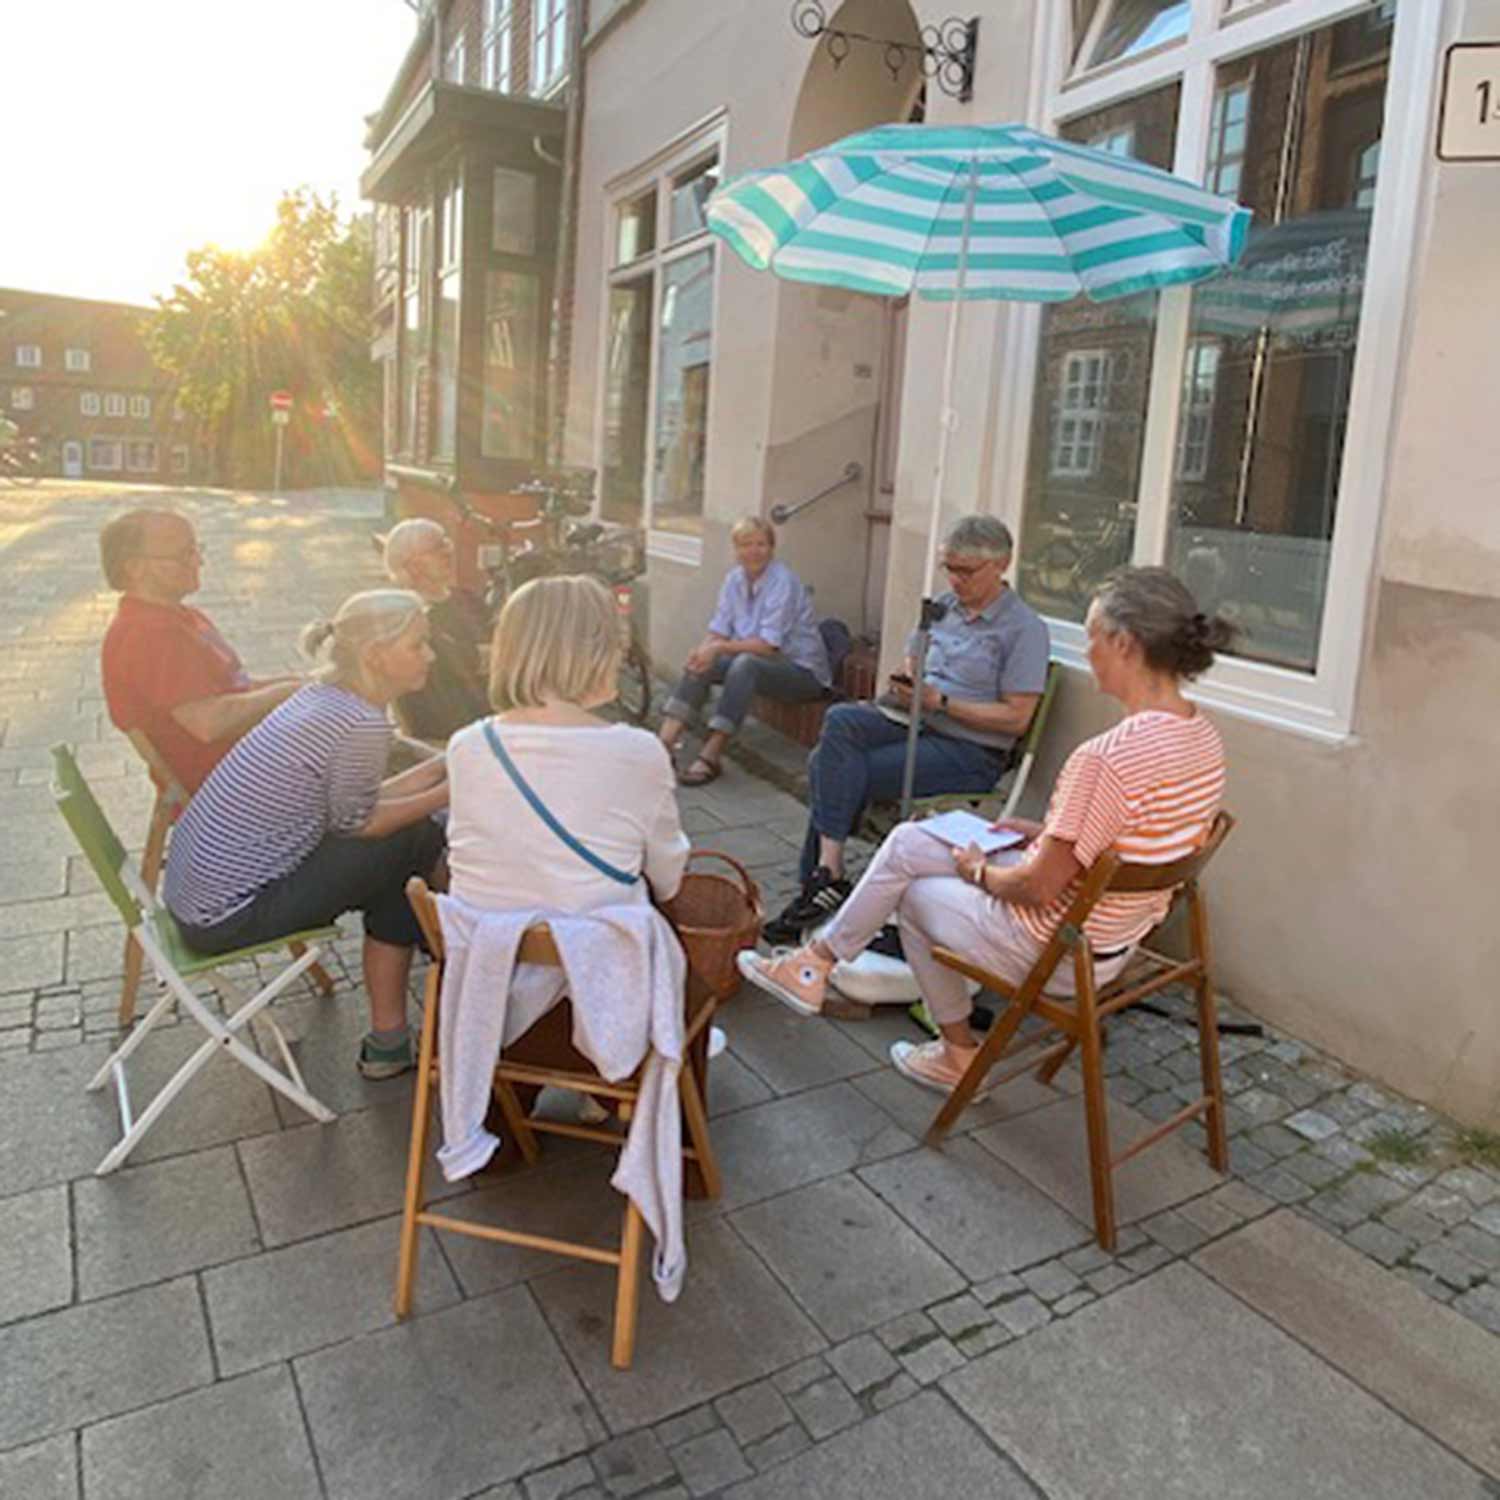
pixel 931 611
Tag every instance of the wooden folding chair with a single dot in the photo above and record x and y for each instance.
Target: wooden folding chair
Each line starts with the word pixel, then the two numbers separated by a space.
pixel 1079 1019
pixel 171 798
pixel 153 928
pixel 513 1075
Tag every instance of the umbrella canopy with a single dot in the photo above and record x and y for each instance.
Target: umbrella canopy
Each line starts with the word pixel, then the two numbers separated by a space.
pixel 994 211
pixel 1301 280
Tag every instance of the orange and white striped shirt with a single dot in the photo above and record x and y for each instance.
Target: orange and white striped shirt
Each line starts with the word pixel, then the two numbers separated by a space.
pixel 1148 788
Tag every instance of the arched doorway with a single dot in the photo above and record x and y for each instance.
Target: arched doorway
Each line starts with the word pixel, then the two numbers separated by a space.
pixel 833 399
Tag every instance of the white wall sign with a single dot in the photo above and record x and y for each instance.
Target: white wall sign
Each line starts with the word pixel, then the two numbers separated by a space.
pixel 1469 123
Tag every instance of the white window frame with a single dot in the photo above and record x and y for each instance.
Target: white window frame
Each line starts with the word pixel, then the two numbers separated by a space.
pixel 1321 703
pixel 708 138
pixel 499 59
pixel 133 446
pixel 1220 159
pixel 29 356
pixel 106 468
pixel 79 361
pixel 1195 438
pixel 1072 422
pixel 181 457
pixel 114 404
pixel 455 60
pixel 88 403
pixel 549 41
pixel 140 406
pixel 22 398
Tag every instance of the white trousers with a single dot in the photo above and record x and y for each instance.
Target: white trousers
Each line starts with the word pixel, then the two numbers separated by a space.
pixel 912 878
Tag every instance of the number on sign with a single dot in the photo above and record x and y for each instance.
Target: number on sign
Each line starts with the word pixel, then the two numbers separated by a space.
pixel 1485 89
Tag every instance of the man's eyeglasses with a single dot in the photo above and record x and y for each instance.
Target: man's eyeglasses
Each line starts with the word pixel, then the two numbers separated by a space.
pixel 963 570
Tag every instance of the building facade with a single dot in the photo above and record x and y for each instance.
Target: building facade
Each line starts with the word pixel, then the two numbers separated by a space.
pixel 1310 442
pixel 75 376
pixel 467 174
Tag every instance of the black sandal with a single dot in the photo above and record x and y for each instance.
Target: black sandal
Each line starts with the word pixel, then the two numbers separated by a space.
pixel 701 772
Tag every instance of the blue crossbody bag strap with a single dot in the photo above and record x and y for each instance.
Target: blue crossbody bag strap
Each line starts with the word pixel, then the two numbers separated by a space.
pixel 542 811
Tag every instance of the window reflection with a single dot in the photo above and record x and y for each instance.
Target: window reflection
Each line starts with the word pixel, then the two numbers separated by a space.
pixel 1261 450
pixel 1089 413
pixel 1138 25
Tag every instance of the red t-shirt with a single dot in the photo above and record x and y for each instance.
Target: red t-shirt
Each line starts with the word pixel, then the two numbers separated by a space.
pixel 157 657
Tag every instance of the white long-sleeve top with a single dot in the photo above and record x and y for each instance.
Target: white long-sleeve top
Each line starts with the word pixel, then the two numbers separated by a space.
pixel 624 971
pixel 611 787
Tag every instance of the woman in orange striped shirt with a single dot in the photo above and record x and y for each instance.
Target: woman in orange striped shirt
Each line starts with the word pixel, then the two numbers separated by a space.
pixel 1149 788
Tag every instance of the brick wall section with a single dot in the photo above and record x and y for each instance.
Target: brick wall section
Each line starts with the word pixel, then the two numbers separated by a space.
pixel 119 365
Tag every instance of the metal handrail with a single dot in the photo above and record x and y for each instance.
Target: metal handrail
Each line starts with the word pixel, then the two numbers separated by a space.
pixel 853 471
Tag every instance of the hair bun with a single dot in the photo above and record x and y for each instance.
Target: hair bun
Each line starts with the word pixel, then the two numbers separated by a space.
pixel 315 636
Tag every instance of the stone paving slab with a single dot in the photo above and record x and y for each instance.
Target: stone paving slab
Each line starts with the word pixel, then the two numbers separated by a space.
pixel 316 1293
pixel 1172 1388
pixel 43 1471
pixel 847 1258
pixel 732 1324
pixel 1419 1357
pixel 158 1220
pixel 441 1406
pixel 238 1440
pixel 783 1144
pixel 69 1368
pixel 982 1214
pixel 36 1271
pixel 920 1448
pixel 790 1052
pixel 1050 1147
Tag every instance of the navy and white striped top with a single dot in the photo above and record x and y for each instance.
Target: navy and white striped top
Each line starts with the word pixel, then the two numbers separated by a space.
pixel 311 767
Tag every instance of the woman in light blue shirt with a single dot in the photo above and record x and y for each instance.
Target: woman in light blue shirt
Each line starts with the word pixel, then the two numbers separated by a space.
pixel 763 638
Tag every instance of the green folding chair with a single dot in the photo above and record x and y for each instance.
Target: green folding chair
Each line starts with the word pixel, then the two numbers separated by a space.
pixel 881 817
pixel 160 938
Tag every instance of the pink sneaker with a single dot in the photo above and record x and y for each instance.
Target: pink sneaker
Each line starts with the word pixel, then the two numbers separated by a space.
pixel 795 976
pixel 935 1065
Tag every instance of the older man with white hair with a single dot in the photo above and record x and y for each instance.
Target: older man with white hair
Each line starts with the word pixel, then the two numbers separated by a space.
pixel 986 671
pixel 418 555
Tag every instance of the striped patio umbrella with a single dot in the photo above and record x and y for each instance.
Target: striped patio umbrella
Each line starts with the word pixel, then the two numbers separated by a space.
pixel 960 213
pixel 957 213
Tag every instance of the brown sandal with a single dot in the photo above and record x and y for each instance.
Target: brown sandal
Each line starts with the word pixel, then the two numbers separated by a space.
pixel 700 773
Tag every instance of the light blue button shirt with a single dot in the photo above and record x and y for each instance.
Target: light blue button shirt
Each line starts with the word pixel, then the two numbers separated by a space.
pixel 776 609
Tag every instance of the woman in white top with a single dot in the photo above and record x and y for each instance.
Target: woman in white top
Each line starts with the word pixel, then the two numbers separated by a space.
pixel 554 660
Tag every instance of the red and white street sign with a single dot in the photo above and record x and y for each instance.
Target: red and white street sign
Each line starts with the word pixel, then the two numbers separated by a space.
pixel 281 400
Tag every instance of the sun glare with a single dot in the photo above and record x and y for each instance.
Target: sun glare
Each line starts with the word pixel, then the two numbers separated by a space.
pixel 187 133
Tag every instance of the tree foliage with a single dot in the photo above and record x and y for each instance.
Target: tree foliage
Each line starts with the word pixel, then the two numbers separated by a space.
pixel 292 314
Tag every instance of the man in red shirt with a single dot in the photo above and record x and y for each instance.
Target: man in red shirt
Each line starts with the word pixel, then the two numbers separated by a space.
pixel 167 671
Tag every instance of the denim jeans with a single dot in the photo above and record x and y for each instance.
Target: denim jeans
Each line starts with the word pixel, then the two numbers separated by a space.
pixel 743 676
pixel 859 759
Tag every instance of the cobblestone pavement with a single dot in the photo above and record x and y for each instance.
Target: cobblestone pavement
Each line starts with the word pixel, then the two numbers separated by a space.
pixel 863 1317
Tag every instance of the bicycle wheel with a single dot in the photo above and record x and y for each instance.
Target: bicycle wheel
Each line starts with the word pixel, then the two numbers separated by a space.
pixel 1055 569
pixel 634 684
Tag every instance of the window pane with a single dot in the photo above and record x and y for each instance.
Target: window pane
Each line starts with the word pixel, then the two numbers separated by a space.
pixel 1135 25
pixel 510 365
pixel 635 234
pixel 1089 412
pixel 513 216
pixel 445 367
pixel 1262 447
pixel 627 385
pixel 682 392
pixel 690 194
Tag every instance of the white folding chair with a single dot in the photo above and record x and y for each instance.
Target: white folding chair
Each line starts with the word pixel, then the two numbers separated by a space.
pixel 152 926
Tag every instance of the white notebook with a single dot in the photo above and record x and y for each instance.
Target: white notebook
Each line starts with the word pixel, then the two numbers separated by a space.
pixel 961 829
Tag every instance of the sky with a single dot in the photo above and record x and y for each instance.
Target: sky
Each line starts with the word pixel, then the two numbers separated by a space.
pixel 132 131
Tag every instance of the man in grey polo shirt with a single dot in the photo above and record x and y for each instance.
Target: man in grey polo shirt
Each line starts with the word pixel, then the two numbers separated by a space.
pixel 986 669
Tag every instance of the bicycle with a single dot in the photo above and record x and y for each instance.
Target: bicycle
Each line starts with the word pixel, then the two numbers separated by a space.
pixel 1074 565
pixel 613 554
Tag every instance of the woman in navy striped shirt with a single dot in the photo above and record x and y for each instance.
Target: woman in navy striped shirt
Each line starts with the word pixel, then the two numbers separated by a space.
pixel 299 822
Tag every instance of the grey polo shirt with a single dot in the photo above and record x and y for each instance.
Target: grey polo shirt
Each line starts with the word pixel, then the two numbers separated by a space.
pixel 1002 649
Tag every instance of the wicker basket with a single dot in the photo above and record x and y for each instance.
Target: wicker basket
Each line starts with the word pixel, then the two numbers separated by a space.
pixel 716 917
